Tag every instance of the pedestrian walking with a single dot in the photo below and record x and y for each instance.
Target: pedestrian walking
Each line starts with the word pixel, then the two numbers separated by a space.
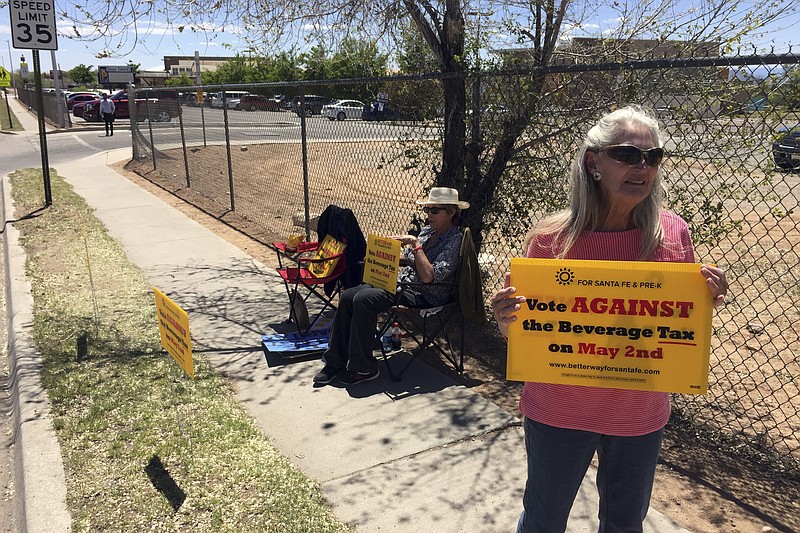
pixel 107 110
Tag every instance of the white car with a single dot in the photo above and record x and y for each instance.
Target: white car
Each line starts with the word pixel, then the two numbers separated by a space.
pixel 343 109
pixel 216 101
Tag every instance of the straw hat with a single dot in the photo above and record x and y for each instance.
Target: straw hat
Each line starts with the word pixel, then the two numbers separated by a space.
pixel 443 196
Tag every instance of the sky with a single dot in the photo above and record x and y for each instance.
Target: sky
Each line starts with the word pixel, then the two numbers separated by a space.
pixel 162 40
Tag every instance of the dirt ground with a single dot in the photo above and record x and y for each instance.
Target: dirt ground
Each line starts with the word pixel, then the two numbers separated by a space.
pixel 696 485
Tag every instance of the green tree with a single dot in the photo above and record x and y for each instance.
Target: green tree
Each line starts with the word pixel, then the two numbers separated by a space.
pixel 315 64
pixel 236 70
pixel 789 88
pixel 82 75
pixel 413 56
pixel 356 58
pixel 179 81
pixel 285 66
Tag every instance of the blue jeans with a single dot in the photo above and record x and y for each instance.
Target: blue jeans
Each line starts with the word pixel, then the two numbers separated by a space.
pixel 557 462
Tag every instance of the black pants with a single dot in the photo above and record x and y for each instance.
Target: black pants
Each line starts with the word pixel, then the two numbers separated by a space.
pixel 353 329
pixel 108 118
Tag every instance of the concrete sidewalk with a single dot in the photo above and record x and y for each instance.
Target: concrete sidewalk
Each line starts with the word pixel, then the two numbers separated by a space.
pixel 29 122
pixel 425 454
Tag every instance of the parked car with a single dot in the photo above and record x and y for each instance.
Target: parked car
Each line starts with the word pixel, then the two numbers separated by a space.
pixel 343 109
pixel 157 105
pixel 314 104
pixel 374 112
pixel 235 96
pixel 253 102
pixel 189 98
pixel 282 101
pixel 80 97
pixel 786 148
pixel 77 108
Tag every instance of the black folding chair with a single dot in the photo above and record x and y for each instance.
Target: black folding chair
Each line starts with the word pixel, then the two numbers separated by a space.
pixel 427 327
pixel 432 327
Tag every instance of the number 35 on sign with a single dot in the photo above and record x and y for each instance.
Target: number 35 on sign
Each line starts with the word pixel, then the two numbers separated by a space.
pixel 33 24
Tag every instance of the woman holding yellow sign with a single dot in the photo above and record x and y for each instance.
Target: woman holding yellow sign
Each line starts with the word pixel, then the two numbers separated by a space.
pixel 430 257
pixel 615 213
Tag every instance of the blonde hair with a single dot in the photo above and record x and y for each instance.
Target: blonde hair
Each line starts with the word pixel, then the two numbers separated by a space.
pixel 585 211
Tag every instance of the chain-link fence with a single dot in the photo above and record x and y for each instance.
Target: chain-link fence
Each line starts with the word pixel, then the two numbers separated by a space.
pixel 55 109
pixel 262 163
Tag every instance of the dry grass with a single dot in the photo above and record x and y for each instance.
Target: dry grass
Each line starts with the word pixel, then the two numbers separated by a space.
pixel 144 448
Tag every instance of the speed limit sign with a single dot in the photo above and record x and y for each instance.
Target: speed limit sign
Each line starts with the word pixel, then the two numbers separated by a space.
pixel 33 24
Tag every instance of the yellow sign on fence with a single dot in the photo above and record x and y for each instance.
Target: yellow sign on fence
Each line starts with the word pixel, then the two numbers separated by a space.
pixel 173 324
pixel 382 262
pixel 617 324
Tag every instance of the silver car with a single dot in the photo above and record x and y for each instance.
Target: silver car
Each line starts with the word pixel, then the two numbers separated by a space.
pixel 343 109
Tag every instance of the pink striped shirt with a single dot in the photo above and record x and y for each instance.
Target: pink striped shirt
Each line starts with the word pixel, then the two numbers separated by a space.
pixel 600 410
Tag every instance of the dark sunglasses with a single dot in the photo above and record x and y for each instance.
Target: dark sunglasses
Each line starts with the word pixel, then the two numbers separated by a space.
pixel 632 155
pixel 432 210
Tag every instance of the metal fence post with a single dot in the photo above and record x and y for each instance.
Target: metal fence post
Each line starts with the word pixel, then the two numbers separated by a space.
pixel 135 133
pixel 203 122
pixel 183 144
pixel 304 145
pixel 228 147
pixel 149 123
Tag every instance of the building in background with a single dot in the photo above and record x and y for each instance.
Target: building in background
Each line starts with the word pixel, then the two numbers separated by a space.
pixel 177 65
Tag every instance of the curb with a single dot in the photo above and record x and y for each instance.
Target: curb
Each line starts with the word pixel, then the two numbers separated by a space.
pixel 39 478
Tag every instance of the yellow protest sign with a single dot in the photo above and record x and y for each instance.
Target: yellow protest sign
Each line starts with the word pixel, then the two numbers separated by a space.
pixel 173 324
pixel 617 324
pixel 382 262
pixel 329 247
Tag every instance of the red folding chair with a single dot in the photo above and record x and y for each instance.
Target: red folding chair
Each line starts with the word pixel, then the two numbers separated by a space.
pixel 301 283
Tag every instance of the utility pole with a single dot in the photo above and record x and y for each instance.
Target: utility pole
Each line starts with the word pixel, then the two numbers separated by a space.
pixel 11 67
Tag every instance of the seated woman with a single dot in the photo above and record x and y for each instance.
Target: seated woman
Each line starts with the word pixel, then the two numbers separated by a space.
pixel 431 257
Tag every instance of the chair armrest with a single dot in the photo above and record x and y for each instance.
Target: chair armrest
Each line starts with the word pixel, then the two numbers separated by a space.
pixel 407 285
pixel 302 260
pixel 302 247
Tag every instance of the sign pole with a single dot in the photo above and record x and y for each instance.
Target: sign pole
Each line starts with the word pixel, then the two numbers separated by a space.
pixel 8 108
pixel 37 78
pixel 33 27
pixel 11 69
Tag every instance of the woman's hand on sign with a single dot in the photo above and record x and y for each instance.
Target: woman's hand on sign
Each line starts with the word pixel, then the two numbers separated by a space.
pixel 404 239
pixel 716 281
pixel 505 305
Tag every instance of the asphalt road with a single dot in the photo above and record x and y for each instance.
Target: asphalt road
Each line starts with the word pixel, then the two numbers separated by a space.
pixel 272 126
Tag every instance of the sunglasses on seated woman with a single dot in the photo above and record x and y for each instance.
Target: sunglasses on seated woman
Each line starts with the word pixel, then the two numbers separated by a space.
pixel 632 155
pixel 432 210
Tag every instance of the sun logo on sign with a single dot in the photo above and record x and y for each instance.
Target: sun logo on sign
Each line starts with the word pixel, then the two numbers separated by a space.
pixel 564 276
